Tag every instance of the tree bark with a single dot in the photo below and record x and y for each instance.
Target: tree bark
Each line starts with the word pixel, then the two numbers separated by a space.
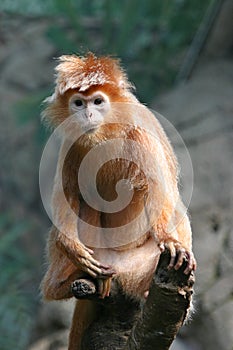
pixel 165 310
pixel 125 324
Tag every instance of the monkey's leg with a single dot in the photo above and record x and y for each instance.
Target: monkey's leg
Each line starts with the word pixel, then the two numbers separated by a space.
pixel 92 217
pixel 84 314
pixel 57 281
pixel 70 254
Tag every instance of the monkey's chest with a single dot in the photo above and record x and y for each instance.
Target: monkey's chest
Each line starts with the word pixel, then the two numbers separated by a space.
pixel 116 194
pixel 119 178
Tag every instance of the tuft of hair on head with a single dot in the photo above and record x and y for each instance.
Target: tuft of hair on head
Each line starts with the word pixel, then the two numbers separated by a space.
pixel 81 73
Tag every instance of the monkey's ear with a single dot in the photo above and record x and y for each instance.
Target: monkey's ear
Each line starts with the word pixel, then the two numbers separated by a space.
pixel 49 99
pixel 50 115
pixel 126 85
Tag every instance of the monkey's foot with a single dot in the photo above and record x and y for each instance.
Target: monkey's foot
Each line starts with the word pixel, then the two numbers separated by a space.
pixel 178 255
pixel 83 289
pixel 87 289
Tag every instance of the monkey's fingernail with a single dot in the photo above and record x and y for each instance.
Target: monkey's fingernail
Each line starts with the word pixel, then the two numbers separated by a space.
pixel 105 266
pixel 162 247
pixel 108 273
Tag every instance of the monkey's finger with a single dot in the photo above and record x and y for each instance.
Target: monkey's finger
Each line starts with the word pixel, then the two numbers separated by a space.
pixel 106 267
pixel 93 261
pixel 103 273
pixel 85 248
pixel 172 250
pixel 106 273
pixel 181 256
pixel 90 251
pixel 97 271
pixel 97 263
pixel 87 266
pixel 162 247
pixel 90 272
pixel 192 264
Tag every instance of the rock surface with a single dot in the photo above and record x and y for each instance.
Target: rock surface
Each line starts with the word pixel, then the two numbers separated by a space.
pixel 202 112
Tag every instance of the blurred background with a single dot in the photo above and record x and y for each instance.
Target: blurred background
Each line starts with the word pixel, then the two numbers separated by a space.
pixel 178 53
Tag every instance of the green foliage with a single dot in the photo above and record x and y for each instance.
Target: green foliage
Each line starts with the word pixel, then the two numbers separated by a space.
pixel 150 37
pixel 27 109
pixel 28 7
pixel 15 303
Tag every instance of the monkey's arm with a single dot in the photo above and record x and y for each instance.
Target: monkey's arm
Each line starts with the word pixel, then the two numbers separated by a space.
pixel 66 208
pixel 67 239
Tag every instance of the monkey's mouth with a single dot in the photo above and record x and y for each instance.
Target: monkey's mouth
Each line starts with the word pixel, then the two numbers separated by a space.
pixel 91 129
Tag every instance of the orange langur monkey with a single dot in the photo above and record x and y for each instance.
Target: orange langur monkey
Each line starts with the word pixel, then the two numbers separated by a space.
pixel 93 90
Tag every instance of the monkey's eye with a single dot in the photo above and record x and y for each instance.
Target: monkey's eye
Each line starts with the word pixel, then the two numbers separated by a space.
pixel 98 101
pixel 78 103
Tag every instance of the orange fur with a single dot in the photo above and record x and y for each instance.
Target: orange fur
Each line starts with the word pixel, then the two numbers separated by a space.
pixel 134 262
pixel 84 72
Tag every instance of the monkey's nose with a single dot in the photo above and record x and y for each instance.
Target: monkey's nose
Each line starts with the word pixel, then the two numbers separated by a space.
pixel 88 114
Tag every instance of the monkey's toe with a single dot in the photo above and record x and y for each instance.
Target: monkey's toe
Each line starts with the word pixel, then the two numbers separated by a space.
pixel 183 258
pixel 191 263
pixel 83 288
pixel 179 257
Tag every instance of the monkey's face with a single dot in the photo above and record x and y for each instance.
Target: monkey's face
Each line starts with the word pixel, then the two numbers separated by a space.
pixel 90 110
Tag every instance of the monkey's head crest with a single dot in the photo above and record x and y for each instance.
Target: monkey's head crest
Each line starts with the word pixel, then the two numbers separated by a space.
pixel 76 72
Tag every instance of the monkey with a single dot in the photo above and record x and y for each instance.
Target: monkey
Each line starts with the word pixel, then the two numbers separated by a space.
pixel 96 93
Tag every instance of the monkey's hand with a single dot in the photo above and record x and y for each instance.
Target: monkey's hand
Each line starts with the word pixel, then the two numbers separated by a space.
pixel 94 268
pixel 82 257
pixel 103 273
pixel 179 254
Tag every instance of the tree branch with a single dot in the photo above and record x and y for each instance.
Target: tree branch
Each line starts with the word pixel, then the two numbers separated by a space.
pixel 165 310
pixel 124 324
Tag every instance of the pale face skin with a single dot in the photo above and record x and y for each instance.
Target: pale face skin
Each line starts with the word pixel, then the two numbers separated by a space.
pixel 90 110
